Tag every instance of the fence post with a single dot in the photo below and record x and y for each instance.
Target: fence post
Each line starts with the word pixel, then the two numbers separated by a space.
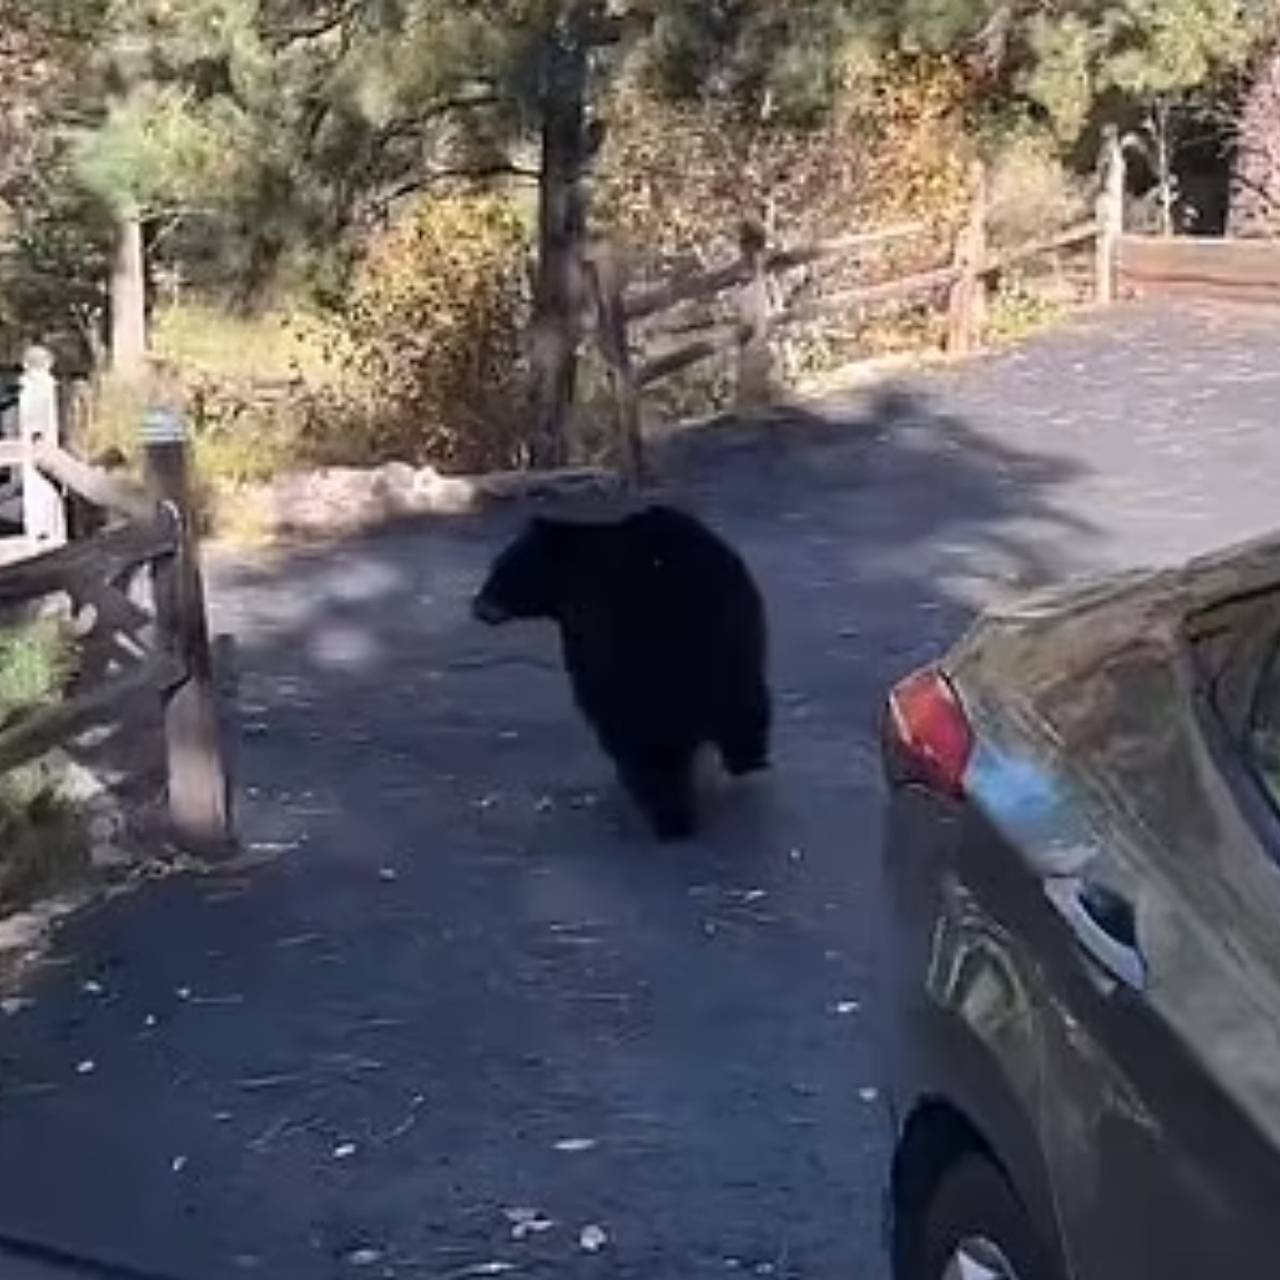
pixel 966 310
pixel 199 794
pixel 1110 210
pixel 754 362
pixel 44 517
pixel 606 276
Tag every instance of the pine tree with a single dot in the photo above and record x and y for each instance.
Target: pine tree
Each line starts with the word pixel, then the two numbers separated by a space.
pixel 165 132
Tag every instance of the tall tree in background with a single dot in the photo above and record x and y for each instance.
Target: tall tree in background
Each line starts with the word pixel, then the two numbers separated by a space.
pixel 466 87
pixel 36 66
pixel 1074 60
pixel 164 133
pixel 379 102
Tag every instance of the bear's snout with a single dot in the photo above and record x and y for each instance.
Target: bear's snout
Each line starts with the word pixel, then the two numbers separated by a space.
pixel 483 609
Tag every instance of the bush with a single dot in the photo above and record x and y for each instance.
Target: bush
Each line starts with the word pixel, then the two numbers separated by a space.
pixel 247 386
pixel 420 362
pixel 41 836
pixel 908 121
pixel 1031 194
pixel 674 181
pixel 1018 310
pixel 37 660
pixel 433 330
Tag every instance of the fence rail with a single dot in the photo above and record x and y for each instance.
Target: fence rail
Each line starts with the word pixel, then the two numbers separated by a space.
pixel 963 280
pixel 1226 269
pixel 132 655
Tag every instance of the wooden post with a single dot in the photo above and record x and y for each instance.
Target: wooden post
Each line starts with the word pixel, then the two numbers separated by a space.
pixel 1110 209
pixel 607 278
pixel 199 794
pixel 43 515
pixel 966 312
pixel 754 361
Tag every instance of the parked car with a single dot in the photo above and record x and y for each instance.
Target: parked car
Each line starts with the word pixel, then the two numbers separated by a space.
pixel 1082 946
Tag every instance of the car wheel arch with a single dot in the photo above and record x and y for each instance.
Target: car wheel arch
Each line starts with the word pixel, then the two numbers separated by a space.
pixel 936 1135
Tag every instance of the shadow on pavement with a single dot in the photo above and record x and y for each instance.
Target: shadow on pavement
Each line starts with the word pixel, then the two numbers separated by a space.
pixel 463 1009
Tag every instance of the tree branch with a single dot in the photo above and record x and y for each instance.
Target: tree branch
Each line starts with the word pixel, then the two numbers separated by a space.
pixel 463 173
pixel 409 125
pixel 1256 188
pixel 322 25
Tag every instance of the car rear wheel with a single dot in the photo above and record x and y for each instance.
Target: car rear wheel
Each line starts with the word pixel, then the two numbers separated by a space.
pixel 974 1227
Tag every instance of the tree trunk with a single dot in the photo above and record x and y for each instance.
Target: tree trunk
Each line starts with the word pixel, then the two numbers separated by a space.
pixel 128 299
pixel 1255 178
pixel 253 296
pixel 561 230
pixel 1166 181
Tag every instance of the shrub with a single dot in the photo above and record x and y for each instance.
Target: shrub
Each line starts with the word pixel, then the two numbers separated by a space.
pixel 1018 309
pixel 433 329
pixel 421 361
pixel 1031 194
pixel 37 659
pixel 908 121
pixel 674 180
pixel 41 840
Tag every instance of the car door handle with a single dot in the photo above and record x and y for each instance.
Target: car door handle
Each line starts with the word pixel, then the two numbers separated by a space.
pixel 1104 924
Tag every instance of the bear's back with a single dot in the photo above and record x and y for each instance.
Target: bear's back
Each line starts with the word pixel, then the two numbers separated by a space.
pixel 664 538
pixel 661 580
pixel 662 628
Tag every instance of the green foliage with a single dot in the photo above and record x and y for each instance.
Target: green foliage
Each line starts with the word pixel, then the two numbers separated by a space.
pixel 41 840
pixel 422 361
pixel 1060 74
pixel 1019 310
pixel 37 660
pixel 289 156
pixel 253 387
pixel 434 327
pixel 168 119
pixel 43 843
pixel 1029 188
pixel 1077 59
pixel 161 149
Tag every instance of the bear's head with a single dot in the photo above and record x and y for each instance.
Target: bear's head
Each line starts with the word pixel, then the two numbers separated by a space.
pixel 524 580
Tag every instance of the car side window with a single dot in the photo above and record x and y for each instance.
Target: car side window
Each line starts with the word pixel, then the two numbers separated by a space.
pixel 1262 739
pixel 1235 646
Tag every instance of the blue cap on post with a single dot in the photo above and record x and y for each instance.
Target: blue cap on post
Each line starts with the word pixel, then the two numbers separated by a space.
pixel 163 426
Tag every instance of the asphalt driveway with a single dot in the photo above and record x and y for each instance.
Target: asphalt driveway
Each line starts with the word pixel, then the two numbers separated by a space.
pixel 461 1017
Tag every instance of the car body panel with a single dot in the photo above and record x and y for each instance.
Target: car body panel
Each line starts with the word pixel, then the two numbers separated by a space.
pixel 962 1031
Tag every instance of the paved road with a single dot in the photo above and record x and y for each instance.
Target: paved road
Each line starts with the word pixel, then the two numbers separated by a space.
pixel 464 1010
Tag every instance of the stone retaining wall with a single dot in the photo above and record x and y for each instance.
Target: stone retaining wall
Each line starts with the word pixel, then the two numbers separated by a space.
pixel 345 500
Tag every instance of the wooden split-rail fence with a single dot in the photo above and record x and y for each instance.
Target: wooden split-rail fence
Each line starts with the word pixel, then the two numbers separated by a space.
pixel 960 284
pixel 139 649
pixel 1203 268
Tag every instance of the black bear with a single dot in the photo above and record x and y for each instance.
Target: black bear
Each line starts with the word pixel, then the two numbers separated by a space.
pixel 664 639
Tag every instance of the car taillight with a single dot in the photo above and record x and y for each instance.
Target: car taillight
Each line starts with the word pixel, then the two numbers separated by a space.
pixel 928 734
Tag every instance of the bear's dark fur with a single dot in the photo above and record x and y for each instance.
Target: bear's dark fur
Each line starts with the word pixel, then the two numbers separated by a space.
pixel 664 640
